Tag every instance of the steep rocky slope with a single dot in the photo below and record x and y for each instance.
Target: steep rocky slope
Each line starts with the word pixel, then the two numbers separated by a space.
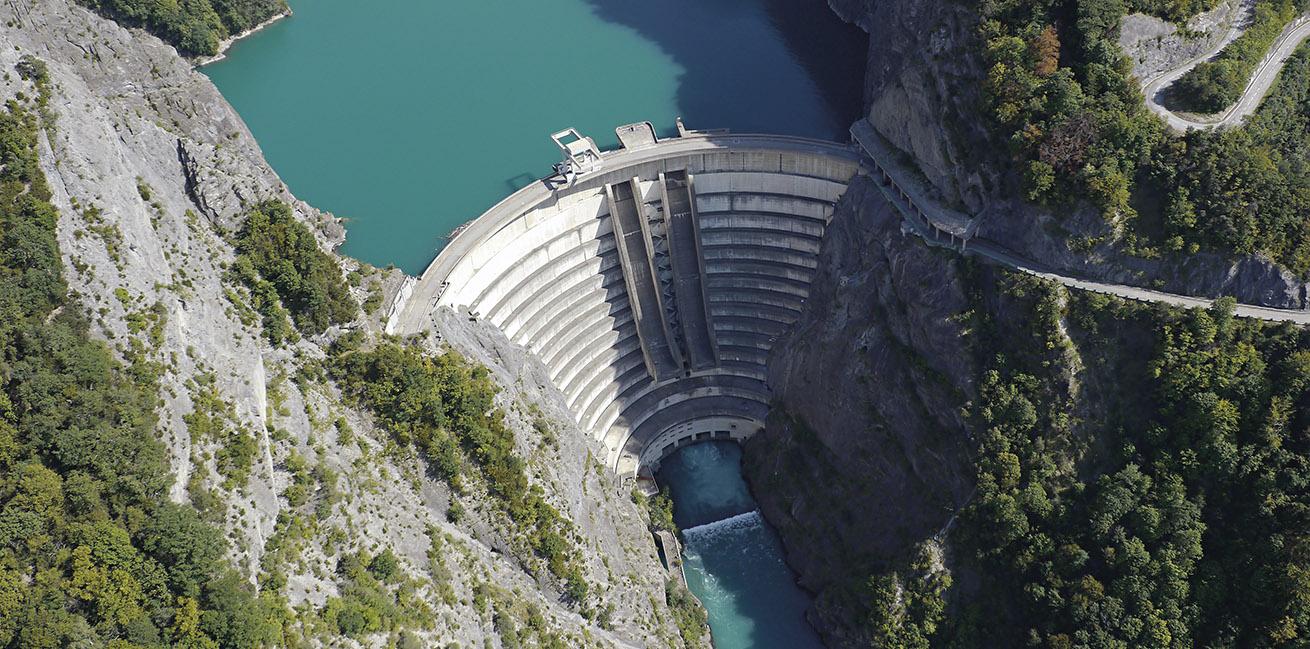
pixel 869 458
pixel 151 172
pixel 866 452
pixel 866 460
pixel 923 93
pixel 921 89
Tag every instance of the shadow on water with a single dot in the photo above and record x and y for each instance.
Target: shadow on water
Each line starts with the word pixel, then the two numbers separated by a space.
pixel 520 180
pixel 732 71
pixel 833 53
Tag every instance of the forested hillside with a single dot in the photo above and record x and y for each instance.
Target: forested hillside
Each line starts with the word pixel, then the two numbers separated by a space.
pixel 90 548
pixel 1060 93
pixel 1216 84
pixel 1066 469
pixel 1245 189
pixel 194 27
pixel 1177 515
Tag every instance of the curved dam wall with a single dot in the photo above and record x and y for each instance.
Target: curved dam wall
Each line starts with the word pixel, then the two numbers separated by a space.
pixel 654 288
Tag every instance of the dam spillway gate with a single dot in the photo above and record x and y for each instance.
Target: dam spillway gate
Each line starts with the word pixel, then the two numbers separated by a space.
pixel 654 288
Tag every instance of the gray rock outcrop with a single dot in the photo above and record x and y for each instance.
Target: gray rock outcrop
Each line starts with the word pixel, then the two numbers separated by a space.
pixel 866 453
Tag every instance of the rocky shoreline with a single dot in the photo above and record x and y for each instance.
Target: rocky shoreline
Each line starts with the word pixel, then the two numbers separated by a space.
pixel 231 40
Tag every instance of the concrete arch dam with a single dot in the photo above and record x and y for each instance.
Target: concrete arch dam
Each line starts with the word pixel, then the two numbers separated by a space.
pixel 653 287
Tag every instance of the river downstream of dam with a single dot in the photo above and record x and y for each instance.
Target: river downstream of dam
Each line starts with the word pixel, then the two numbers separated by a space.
pixel 733 560
pixel 411 117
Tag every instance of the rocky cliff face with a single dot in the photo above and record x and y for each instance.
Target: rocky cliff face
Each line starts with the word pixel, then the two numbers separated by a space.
pixel 921 89
pixel 867 457
pixel 923 94
pixel 1155 45
pixel 151 170
pixel 866 452
pixel 1050 239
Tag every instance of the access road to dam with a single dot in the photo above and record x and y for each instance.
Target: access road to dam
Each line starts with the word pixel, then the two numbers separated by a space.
pixel 1266 73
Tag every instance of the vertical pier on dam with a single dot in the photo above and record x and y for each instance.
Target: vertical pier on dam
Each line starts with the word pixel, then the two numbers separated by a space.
pixel 632 233
pixel 653 287
pixel 683 224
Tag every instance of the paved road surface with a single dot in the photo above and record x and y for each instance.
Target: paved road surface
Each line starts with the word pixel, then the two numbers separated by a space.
pixel 864 135
pixel 1007 258
pixel 1261 80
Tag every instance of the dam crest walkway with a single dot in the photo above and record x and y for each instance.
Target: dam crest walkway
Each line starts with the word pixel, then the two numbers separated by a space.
pixel 653 288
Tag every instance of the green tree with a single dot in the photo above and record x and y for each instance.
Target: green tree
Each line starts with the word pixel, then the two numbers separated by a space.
pixel 279 255
pixel 195 27
pixel 189 548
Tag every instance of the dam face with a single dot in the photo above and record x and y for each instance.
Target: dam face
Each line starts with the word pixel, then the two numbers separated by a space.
pixel 653 287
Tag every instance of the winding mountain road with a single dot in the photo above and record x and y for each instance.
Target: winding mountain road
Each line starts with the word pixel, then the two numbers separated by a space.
pixel 921 214
pixel 1266 73
pixel 1007 258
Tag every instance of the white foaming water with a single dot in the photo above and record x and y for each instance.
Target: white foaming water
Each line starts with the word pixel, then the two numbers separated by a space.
pixel 730 524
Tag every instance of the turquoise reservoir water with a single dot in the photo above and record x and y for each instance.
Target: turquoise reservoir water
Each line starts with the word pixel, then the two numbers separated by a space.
pixel 410 117
pixel 733 559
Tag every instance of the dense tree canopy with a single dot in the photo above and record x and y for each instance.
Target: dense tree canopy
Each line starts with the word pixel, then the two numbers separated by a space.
pixel 194 27
pixel 1248 189
pixel 279 260
pixel 90 551
pixel 1178 515
pixel 1061 94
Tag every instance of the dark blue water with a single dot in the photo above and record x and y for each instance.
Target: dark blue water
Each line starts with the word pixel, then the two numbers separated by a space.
pixel 410 117
pixel 733 559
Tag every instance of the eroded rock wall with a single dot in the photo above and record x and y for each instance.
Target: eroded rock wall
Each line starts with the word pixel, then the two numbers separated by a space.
pixel 922 89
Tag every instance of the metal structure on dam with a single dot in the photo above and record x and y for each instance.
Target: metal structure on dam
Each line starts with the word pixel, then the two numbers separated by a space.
pixel 652 281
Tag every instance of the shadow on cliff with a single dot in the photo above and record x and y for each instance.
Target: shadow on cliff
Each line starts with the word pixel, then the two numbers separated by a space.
pixel 735 77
